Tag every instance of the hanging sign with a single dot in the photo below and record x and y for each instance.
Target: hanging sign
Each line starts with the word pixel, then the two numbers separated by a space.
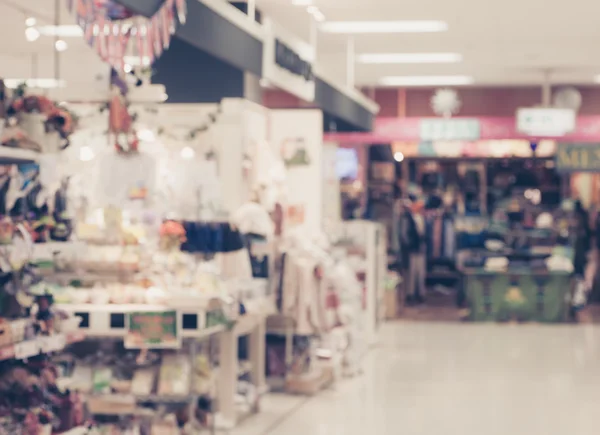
pixel 546 122
pixel 578 157
pixel 449 129
pixel 288 62
pixel 153 330
pixel 115 31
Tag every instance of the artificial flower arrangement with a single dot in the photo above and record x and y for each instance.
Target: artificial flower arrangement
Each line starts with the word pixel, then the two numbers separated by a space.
pixel 57 118
pixel 172 235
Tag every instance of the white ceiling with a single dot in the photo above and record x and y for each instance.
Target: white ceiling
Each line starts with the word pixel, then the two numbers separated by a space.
pixel 502 43
pixel 79 65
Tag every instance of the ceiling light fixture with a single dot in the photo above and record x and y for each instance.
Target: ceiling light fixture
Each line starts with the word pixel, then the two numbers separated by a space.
pixel 32 34
pixel 426 80
pixel 35 83
pixel 30 21
pixel 398 156
pixel 61 45
pixel 389 58
pixel 63 31
pixel 384 26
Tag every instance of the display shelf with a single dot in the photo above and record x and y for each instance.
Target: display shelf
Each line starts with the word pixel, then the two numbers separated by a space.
pixel 110 320
pixel 80 430
pixel 39 345
pixel 15 156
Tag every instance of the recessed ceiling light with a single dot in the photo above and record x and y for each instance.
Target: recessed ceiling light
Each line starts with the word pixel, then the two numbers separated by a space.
pixel 383 58
pixel 32 34
pixel 30 21
pixel 384 26
pixel 60 45
pixel 426 80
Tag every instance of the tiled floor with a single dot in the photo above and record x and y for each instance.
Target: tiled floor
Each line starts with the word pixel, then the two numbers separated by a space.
pixel 458 379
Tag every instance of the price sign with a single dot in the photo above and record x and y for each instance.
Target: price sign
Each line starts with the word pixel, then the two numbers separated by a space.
pixel 153 330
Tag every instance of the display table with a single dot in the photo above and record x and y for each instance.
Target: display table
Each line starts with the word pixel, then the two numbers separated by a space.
pixel 521 294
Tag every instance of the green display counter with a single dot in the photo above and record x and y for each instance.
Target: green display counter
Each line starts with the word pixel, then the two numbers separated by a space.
pixel 518 295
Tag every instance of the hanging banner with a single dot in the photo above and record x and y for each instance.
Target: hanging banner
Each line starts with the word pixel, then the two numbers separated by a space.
pixel 288 62
pixel 390 129
pixel 578 157
pixel 115 31
pixel 153 330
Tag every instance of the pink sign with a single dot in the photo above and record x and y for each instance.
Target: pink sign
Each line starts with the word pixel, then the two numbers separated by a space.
pixel 388 130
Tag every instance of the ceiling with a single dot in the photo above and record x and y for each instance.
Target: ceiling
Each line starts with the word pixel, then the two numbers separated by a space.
pixel 502 43
pixel 78 65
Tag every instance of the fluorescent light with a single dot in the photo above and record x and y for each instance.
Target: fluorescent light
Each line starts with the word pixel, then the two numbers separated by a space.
pixel 382 58
pixel 35 83
pixel 426 80
pixel 384 26
pixel 64 31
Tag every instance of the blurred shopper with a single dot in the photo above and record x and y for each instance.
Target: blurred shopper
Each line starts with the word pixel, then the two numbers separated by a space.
pixel 583 237
pixel 412 245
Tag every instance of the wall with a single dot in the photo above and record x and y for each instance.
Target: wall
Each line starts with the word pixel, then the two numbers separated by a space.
pixel 290 131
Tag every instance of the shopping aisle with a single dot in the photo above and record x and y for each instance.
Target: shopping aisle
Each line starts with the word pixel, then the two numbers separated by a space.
pixel 467 379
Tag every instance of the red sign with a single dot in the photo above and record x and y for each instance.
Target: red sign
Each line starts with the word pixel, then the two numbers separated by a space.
pixel 388 130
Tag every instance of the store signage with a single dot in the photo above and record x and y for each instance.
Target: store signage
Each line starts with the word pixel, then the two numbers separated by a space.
pixel 288 62
pixel 449 129
pixel 153 330
pixel 288 59
pixel 546 122
pixel 578 157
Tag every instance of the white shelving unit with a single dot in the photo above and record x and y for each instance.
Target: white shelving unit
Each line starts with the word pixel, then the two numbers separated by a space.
pixel 10 156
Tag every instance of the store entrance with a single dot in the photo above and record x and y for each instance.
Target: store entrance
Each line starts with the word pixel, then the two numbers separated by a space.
pixel 454 222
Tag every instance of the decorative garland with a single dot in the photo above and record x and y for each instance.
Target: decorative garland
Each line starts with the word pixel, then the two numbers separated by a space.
pixel 115 31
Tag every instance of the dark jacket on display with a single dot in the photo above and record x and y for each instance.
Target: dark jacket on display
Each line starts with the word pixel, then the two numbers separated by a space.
pixel 410 239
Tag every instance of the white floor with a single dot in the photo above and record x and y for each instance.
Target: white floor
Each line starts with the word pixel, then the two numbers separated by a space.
pixel 459 379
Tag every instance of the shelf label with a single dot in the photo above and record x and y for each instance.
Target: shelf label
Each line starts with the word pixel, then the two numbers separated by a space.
pixel 153 330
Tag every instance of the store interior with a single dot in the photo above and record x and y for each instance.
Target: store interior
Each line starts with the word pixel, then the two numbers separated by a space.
pixel 210 223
